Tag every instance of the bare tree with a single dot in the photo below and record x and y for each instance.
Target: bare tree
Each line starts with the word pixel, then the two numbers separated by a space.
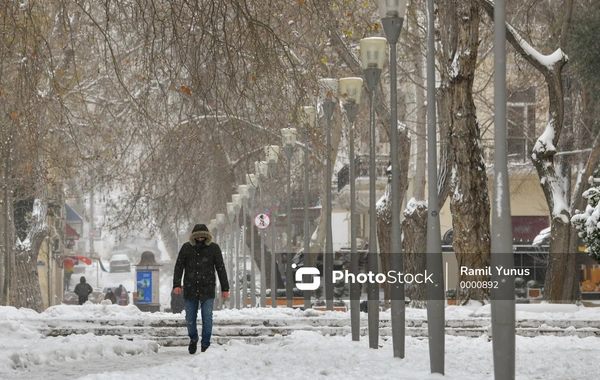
pixel 557 287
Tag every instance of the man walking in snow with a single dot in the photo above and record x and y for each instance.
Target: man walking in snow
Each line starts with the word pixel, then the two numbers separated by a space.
pixel 83 290
pixel 199 259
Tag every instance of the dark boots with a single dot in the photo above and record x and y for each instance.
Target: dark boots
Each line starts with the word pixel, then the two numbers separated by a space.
pixel 193 347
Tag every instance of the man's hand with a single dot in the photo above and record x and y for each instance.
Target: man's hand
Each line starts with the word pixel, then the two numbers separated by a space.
pixel 177 290
pixel 225 295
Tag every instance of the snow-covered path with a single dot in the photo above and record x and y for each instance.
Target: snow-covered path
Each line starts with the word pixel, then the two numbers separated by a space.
pixel 308 355
pixel 25 353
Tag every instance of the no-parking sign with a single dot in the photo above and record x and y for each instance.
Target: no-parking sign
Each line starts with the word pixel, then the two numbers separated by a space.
pixel 262 221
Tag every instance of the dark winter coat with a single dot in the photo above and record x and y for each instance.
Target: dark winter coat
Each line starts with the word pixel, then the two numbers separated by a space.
pixel 199 261
pixel 122 296
pixel 83 290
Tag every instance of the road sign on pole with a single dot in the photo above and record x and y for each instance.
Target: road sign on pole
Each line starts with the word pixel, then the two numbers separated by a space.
pixel 262 221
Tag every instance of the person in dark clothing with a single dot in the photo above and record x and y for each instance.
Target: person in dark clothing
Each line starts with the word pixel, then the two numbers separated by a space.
pixel 122 296
pixel 177 304
pixel 83 290
pixel 199 259
pixel 111 296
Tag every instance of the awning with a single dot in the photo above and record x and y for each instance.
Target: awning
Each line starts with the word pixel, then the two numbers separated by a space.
pixel 83 259
pixel 71 233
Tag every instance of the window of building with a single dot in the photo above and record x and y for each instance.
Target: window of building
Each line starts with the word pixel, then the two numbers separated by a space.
pixel 521 123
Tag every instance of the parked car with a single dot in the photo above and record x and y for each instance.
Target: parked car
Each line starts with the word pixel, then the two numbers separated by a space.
pixel 120 263
pixel 97 296
pixel 79 268
pixel 70 298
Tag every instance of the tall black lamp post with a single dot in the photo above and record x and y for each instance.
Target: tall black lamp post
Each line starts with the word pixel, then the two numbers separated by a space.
pixel 307 118
pixel 328 89
pixel 372 54
pixel 350 90
pixel 272 156
pixel 252 182
pixel 288 139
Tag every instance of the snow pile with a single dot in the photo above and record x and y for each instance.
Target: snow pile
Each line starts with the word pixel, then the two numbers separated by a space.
pixel 52 351
pixel 27 354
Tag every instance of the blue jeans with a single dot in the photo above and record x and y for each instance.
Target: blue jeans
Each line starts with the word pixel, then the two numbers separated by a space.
pixel 191 315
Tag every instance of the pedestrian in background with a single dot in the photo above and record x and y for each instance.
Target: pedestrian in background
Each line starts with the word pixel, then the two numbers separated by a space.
pixel 83 290
pixel 110 296
pixel 122 295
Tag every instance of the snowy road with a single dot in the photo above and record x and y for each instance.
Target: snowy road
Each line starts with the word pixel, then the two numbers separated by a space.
pixel 119 366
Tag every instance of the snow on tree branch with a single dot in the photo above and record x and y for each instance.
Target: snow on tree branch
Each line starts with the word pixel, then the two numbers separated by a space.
pixel 544 63
pixel 587 223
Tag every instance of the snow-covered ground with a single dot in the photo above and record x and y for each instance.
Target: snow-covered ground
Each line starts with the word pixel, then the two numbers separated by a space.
pixel 27 354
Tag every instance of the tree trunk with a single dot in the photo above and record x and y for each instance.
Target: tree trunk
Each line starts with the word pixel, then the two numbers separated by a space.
pixel 384 211
pixel 384 238
pixel 414 227
pixel 414 223
pixel 470 205
pixel 561 267
pixel 25 286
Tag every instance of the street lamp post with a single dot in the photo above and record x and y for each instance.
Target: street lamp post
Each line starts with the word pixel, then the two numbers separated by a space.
pixel 220 223
pixel 262 170
pixel 503 299
pixel 392 17
pixel 307 118
pixel 231 217
pixel 288 141
pixel 237 205
pixel 220 218
pixel 245 194
pixel 372 53
pixel 252 182
pixel 212 225
pixel 350 90
pixel 434 261
pixel 328 88
pixel 272 154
